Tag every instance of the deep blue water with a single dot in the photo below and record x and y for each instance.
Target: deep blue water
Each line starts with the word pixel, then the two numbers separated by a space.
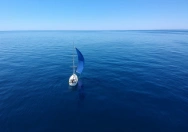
pixel 133 81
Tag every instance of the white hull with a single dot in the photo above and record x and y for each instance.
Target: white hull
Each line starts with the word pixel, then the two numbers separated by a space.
pixel 73 80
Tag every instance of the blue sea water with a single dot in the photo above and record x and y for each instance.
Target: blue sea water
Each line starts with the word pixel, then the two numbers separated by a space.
pixel 133 81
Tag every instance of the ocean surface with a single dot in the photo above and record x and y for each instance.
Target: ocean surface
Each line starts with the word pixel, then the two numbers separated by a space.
pixel 133 81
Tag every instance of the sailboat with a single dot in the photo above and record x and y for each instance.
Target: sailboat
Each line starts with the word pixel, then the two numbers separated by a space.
pixel 73 80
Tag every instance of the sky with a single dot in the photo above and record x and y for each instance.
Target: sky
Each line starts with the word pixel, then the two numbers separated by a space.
pixel 93 14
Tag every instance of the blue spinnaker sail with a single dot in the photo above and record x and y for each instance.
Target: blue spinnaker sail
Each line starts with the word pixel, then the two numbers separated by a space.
pixel 80 65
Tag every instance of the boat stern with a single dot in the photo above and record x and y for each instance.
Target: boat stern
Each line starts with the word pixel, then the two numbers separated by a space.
pixel 73 80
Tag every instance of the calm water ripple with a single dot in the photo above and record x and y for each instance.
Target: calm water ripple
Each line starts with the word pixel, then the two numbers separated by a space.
pixel 133 81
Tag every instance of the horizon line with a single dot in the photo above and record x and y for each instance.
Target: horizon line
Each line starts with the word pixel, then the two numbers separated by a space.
pixel 88 29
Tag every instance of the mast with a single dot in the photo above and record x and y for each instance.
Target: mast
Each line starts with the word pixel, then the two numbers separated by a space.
pixel 73 67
